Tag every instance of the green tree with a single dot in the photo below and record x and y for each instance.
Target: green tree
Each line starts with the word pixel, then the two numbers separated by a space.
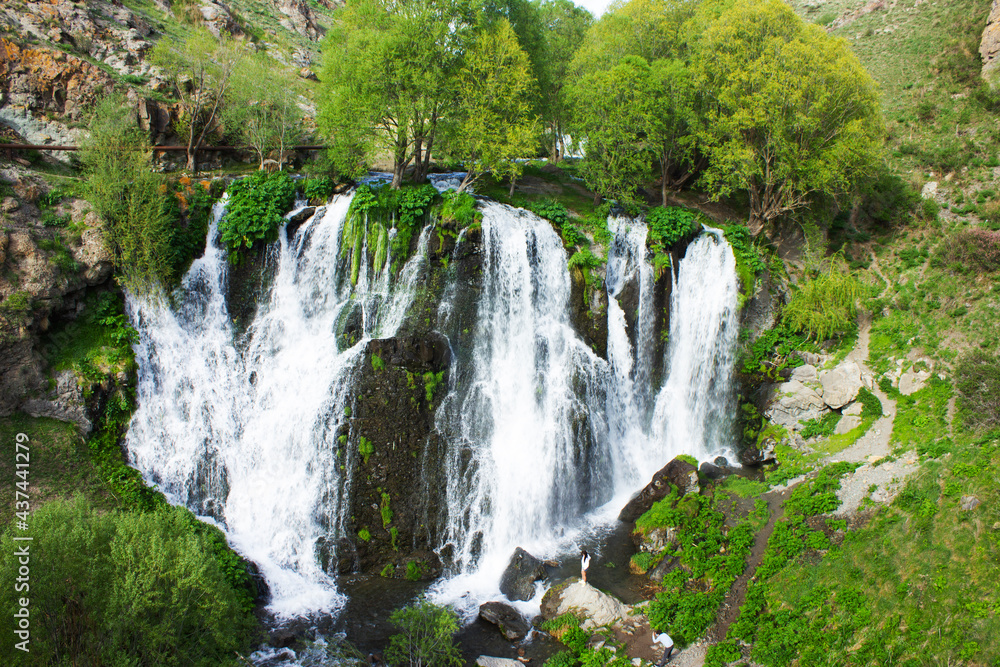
pixel 114 588
pixel 129 197
pixel 495 125
pixel 261 108
pixel 426 637
pixel 388 80
pixel 200 67
pixel 564 25
pixel 642 116
pixel 790 110
pixel 612 108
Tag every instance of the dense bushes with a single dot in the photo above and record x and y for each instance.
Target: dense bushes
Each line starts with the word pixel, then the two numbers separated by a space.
pixel 124 589
pixel 710 558
pixel 975 249
pixel 127 195
pixel 426 637
pixel 977 379
pixel 255 210
pixel 671 224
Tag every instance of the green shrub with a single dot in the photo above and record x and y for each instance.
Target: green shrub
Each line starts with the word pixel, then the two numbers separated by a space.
pixel 318 189
pixel 551 210
pixel 96 568
pixel 721 654
pixel 127 195
pixel 365 448
pixel 426 636
pixel 671 224
pixel 824 306
pixel 821 427
pixel 385 510
pixel 584 259
pixel 431 382
pixel 749 263
pixel 871 405
pixel 255 210
pixel 564 659
pixel 459 208
pixel 364 535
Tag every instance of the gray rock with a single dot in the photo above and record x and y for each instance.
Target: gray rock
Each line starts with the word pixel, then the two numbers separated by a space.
pixel 490 661
pixel 854 409
pixel 754 456
pixel 806 373
pixel 846 423
pixel 68 405
pixel 657 539
pixel 518 580
pixel 929 191
pixel 989 47
pixel 794 402
pixel 841 385
pixel 512 625
pixel 911 382
pixel 969 503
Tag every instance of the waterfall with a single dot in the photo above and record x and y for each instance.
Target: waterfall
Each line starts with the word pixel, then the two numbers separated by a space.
pixel 540 438
pixel 543 436
pixel 523 431
pixel 696 408
pixel 244 429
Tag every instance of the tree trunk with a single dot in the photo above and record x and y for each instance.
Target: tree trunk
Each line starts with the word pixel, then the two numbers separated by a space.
pixel 192 160
pixel 513 182
pixel 663 182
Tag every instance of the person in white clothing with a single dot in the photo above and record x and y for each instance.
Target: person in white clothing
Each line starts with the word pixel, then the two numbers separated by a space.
pixel 584 564
pixel 663 639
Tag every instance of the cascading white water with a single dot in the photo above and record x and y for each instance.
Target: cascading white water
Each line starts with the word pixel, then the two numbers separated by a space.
pixel 544 432
pixel 696 408
pixel 630 353
pixel 244 430
pixel 519 432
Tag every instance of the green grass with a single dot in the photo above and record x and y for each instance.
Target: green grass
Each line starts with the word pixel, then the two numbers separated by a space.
pixel 59 465
pixel 915 586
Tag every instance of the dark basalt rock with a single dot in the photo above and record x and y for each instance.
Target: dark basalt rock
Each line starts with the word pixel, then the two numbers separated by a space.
pixel 712 471
pixel 430 352
pixel 677 473
pixel 512 625
pixel 754 456
pixel 518 581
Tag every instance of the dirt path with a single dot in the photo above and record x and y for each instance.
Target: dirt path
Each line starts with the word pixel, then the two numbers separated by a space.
pixel 729 611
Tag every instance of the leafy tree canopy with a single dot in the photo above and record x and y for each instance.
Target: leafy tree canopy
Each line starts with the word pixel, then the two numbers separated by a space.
pixel 790 110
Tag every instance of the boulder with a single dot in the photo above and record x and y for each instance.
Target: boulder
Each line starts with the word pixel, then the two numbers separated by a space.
pixel 518 580
pixel 512 625
pixel 663 568
pixel 794 403
pixel 68 404
pixel 712 471
pixel 680 473
pixel 969 503
pixel 841 385
pixel 490 661
pixel 299 18
pixel 753 456
pixel 805 373
pixel 846 423
pixel 655 540
pixel 597 607
pixel 911 382
pixel 989 47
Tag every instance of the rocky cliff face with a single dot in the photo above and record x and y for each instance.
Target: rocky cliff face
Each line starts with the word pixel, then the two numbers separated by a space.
pixel 44 275
pixel 989 49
